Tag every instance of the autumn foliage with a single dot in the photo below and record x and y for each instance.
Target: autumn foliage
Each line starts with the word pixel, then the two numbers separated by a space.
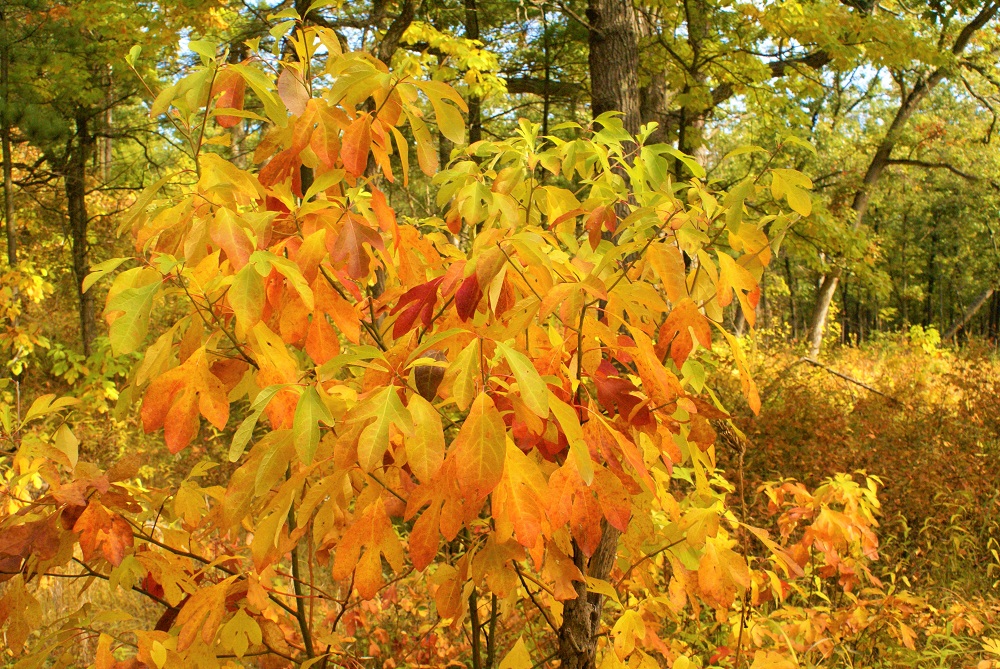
pixel 500 414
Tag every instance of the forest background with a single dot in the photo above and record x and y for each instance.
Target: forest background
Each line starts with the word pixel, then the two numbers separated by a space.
pixel 859 356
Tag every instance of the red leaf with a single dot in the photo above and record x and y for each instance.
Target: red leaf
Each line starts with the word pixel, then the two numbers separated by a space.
pixel 467 297
pixel 617 393
pixel 232 88
pixel 423 299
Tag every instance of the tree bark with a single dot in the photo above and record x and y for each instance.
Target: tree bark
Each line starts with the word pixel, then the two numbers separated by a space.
pixel 76 208
pixel 582 616
pixel 862 197
pixel 969 313
pixel 614 60
pixel 614 86
pixel 8 186
pixel 475 104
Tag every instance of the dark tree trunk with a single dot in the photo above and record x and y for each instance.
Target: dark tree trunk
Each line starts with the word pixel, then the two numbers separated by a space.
pixel 8 186
pixel 614 86
pixel 931 280
pixel 76 207
pixel 582 616
pixel 475 104
pixel 614 60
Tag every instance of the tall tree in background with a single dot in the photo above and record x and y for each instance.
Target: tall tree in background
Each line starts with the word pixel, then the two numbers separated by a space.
pixel 914 88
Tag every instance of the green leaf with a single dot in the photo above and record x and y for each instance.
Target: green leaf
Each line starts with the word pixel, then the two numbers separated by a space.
pixel 263 88
pixel 309 413
pixel 387 409
pixel 133 55
pixel 687 160
pixel 246 297
pixel 204 48
pixel 47 404
pixel 531 389
pixel 145 197
pixel 130 328
pixel 570 424
pixel 243 433
pixel 798 141
pixel 99 271
pixel 743 150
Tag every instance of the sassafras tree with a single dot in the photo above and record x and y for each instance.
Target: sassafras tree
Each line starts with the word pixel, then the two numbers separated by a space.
pixel 503 408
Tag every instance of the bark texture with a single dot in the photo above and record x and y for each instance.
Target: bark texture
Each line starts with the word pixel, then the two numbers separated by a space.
pixel 582 616
pixel 76 209
pixel 614 60
pixel 8 186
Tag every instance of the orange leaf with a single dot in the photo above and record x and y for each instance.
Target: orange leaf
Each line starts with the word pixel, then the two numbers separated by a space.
pixel 357 142
pixel 372 531
pixel 348 246
pixel 175 399
pixel 102 529
pixel 321 340
pixel 480 449
pixel 676 331
pixel 232 88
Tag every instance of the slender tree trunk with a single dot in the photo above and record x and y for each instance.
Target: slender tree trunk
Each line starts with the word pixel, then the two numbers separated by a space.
pixel 5 121
pixel 546 98
pixel 793 316
pixel 76 206
pixel 474 102
pixel 880 160
pixel 614 86
pixel 582 616
pixel 739 321
pixel 970 312
pixel 931 280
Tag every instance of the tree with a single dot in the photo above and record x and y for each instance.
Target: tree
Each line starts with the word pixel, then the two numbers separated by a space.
pixel 912 94
pixel 530 375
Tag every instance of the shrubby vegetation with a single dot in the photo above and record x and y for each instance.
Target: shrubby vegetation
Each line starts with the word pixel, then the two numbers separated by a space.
pixel 351 336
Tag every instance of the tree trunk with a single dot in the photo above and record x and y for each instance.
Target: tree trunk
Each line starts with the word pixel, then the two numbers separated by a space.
pixel 793 315
pixel 582 616
pixel 76 207
pixel 969 313
pixel 862 197
pixel 614 60
pixel 5 120
pixel 475 104
pixel 614 86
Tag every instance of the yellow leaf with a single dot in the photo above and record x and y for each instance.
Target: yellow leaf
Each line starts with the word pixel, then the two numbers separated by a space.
pixel 518 657
pixel 425 449
pixel 480 448
pixel 722 574
pixel 570 424
pixel 531 388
